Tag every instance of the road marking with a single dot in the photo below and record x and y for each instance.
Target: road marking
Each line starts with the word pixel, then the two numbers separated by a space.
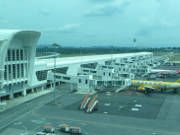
pixel 106 124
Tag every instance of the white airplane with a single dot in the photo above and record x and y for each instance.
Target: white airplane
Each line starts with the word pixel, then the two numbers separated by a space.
pixel 165 72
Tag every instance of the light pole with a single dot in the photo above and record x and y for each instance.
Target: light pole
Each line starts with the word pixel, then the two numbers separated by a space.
pixel 55 47
pixel 112 51
pixel 134 42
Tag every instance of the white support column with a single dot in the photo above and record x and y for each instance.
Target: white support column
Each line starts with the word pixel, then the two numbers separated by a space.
pixel 7 72
pixel 23 54
pixel 20 54
pixel 16 71
pixel 32 90
pixel 24 68
pixel 11 71
pixel 52 85
pixel 11 96
pixel 20 71
pixel 24 92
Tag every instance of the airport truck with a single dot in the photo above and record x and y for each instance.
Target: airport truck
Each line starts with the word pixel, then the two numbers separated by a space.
pixel 70 129
pixel 48 129
pixel 42 133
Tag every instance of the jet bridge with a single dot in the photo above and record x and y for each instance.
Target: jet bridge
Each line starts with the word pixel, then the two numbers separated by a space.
pixel 100 75
pixel 88 83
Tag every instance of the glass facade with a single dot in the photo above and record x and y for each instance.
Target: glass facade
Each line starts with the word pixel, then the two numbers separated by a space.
pixel 41 75
pixel 16 64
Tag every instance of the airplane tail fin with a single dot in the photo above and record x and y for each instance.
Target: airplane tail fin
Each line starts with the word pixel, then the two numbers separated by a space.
pixel 141 87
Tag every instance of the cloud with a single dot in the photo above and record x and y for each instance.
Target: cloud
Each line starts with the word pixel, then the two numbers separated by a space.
pixel 108 9
pixel 69 27
pixel 3 20
pixel 101 0
pixel 154 26
pixel 102 11
pixel 144 32
pixel 158 1
pixel 45 12
pixel 167 23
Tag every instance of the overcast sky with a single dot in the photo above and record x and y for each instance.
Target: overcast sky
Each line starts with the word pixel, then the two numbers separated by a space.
pixel 96 22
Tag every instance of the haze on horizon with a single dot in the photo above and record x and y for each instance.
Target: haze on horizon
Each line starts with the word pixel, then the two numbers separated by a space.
pixel 96 22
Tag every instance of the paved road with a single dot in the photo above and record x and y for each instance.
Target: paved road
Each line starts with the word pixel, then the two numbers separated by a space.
pixel 11 115
pixel 95 123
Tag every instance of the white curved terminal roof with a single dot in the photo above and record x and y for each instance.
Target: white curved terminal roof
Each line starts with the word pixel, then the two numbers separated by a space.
pixel 6 34
pixel 62 62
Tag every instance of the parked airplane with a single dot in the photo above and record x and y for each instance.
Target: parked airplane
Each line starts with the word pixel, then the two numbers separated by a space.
pixel 162 71
pixel 178 71
pixel 149 86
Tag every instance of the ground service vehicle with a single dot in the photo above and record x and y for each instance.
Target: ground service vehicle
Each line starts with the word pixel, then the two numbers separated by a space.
pixel 69 129
pixel 40 133
pixel 48 129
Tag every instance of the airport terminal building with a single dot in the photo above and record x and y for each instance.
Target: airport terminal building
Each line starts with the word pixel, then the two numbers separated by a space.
pixel 21 72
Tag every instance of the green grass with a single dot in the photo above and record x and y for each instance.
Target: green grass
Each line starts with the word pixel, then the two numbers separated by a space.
pixel 159 53
pixel 176 57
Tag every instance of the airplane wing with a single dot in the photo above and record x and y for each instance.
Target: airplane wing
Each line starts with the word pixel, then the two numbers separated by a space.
pixel 149 87
pixel 146 89
pixel 143 87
